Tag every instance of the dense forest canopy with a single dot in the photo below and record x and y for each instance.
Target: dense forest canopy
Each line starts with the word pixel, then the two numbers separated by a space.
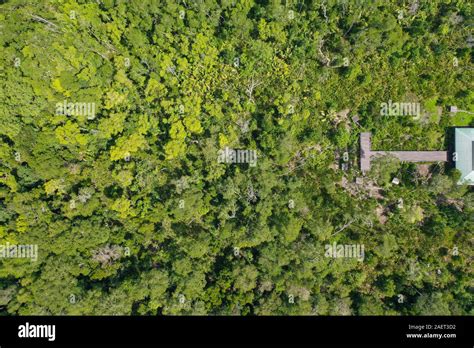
pixel 113 117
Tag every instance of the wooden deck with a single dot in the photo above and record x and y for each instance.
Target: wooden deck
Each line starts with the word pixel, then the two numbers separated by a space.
pixel 366 154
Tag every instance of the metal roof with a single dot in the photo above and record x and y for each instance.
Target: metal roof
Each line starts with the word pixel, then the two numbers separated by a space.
pixel 464 147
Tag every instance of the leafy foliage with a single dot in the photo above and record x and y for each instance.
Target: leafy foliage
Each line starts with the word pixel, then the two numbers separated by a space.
pixel 133 214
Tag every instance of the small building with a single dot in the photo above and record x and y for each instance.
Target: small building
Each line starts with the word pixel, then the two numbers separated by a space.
pixel 464 148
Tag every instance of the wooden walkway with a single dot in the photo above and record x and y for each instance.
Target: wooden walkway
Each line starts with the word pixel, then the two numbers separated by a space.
pixel 415 156
pixel 366 154
pixel 365 151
